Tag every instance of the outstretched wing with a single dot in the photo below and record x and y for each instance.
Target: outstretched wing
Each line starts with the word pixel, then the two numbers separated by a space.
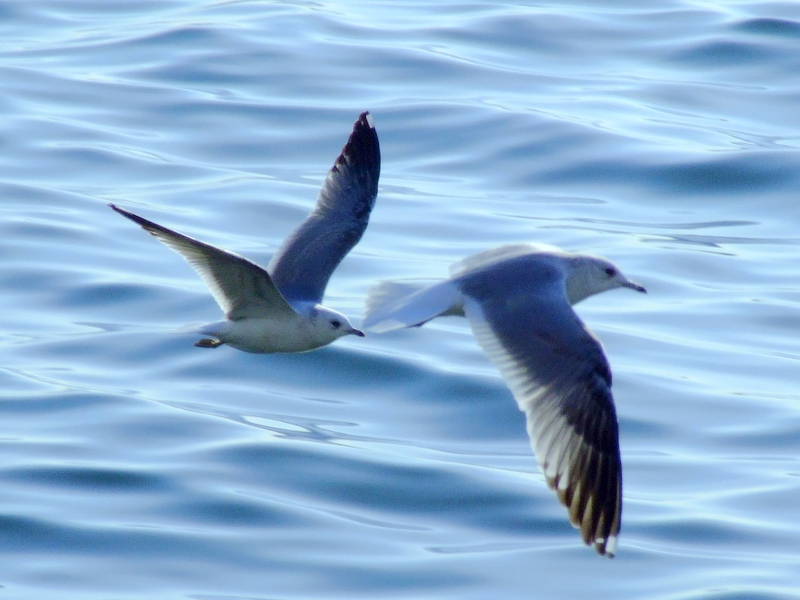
pixel 394 305
pixel 240 287
pixel 304 263
pixel 560 377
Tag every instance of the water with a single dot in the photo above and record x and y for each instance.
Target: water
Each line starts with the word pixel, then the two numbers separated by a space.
pixel 662 135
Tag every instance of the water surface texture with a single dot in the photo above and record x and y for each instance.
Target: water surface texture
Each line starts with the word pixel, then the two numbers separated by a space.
pixel 662 135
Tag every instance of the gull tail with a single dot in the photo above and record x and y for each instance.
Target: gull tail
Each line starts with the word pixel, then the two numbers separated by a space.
pixel 394 305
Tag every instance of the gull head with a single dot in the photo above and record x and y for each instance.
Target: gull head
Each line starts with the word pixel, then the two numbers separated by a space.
pixel 589 275
pixel 328 325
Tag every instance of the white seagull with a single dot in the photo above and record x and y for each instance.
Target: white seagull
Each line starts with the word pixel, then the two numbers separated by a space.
pixel 279 309
pixel 518 301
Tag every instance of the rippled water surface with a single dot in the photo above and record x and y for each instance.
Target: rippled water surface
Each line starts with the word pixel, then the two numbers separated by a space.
pixel 663 135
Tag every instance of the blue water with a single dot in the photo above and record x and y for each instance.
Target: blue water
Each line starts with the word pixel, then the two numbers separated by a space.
pixel 663 135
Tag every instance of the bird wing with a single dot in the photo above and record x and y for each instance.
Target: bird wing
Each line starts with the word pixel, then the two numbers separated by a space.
pixel 240 287
pixel 304 263
pixel 485 259
pixel 561 380
pixel 394 305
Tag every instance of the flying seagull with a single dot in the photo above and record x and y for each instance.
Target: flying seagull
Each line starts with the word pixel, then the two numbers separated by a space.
pixel 279 309
pixel 518 301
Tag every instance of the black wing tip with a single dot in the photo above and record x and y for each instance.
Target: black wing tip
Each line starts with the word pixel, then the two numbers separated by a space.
pixel 149 226
pixel 126 213
pixel 364 127
pixel 605 546
pixel 365 120
pixel 596 510
pixel 599 530
pixel 363 146
pixel 601 550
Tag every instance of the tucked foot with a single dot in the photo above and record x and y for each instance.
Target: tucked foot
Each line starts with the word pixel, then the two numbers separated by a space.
pixel 208 343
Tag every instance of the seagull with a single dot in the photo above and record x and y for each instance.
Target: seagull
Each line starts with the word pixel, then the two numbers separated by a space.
pixel 518 301
pixel 278 309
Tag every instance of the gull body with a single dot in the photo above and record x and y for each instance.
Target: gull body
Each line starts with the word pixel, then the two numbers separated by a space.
pixel 518 301
pixel 279 309
pixel 310 327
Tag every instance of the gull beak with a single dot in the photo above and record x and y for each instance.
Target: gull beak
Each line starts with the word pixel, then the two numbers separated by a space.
pixel 634 286
pixel 360 333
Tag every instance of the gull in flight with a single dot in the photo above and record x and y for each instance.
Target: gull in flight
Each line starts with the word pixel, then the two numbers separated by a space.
pixel 518 301
pixel 278 309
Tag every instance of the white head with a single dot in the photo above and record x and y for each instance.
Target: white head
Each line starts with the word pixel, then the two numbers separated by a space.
pixel 591 275
pixel 328 325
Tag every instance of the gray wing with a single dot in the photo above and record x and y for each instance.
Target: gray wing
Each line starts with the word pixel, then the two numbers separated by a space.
pixel 487 258
pixel 561 380
pixel 304 263
pixel 393 304
pixel 240 287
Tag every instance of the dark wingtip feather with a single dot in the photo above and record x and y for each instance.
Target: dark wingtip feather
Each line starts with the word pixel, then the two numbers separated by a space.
pixel 149 226
pixel 133 217
pixel 363 149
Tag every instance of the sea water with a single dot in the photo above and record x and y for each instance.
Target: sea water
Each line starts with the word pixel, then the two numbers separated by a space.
pixel 662 135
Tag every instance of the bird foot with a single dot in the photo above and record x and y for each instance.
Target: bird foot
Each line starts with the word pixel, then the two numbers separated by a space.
pixel 208 343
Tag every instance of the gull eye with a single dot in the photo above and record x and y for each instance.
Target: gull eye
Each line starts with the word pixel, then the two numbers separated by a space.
pixel 336 323
pixel 611 271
